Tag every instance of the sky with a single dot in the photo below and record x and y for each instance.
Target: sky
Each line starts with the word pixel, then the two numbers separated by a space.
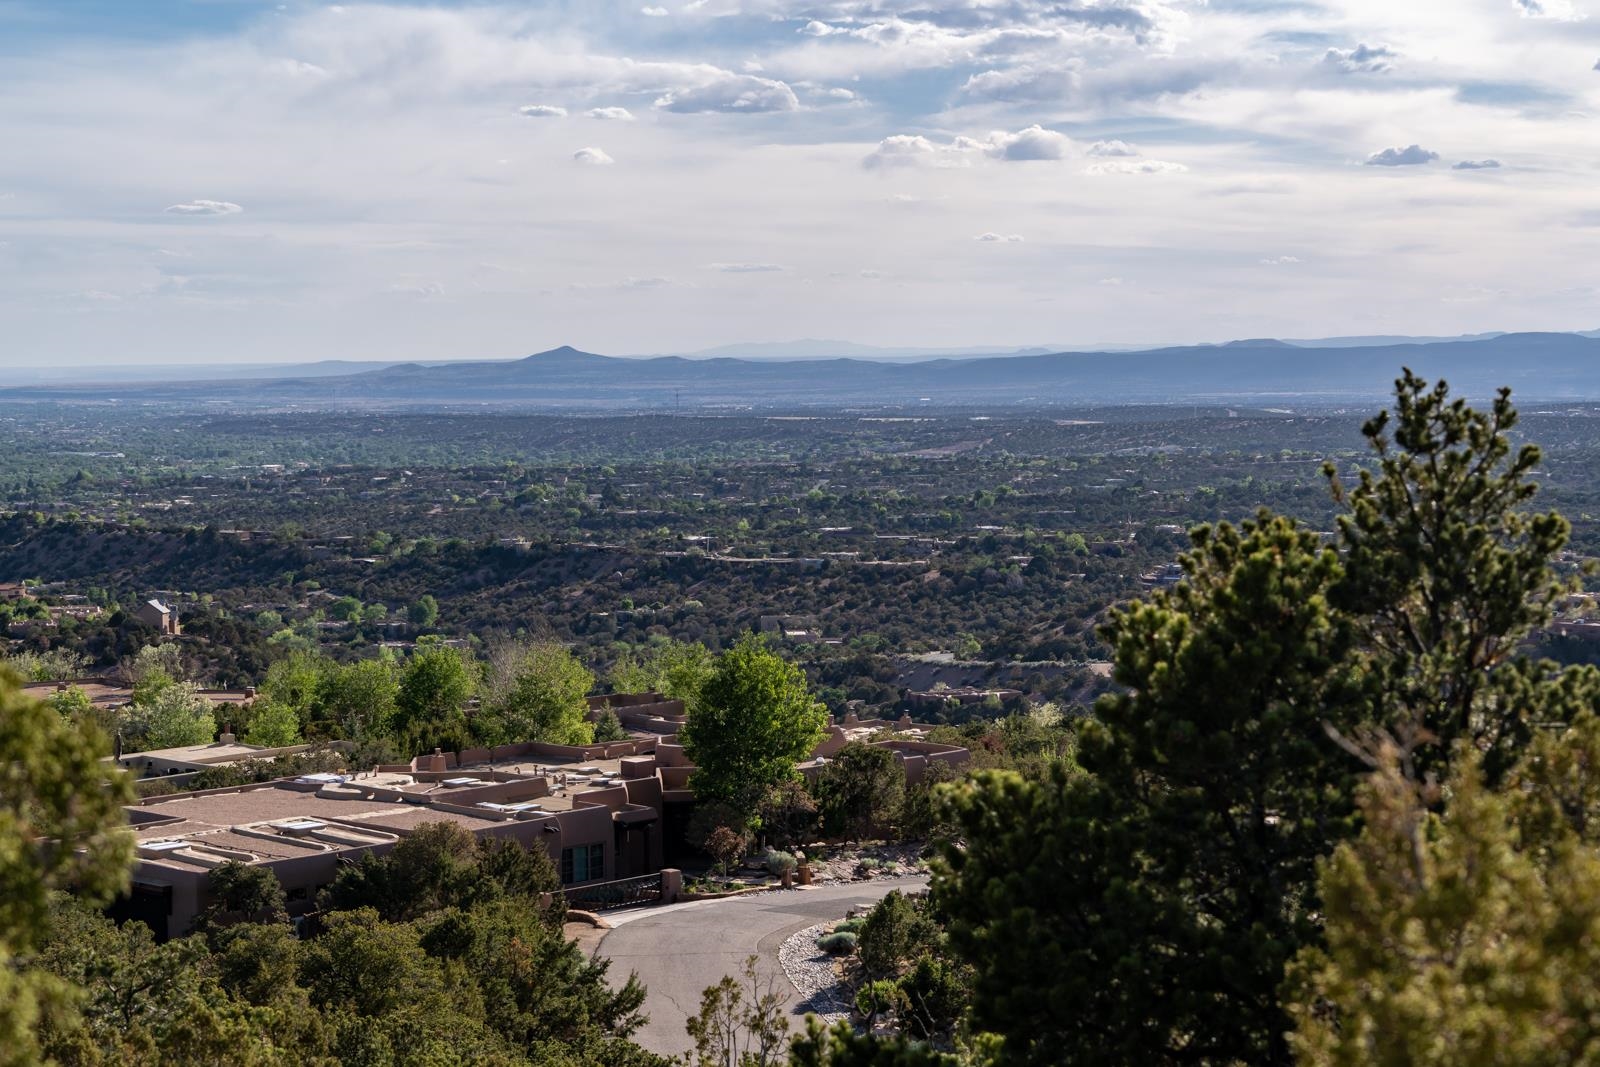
pixel 238 181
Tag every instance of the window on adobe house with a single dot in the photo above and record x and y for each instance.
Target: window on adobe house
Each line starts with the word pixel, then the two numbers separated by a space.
pixel 583 863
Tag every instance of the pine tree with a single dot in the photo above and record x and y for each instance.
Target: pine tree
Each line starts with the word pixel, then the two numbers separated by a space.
pixel 1463 924
pixel 1449 571
pixel 1146 910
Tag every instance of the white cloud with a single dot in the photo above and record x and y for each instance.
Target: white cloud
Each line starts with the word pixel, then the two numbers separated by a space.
pixel 1410 156
pixel 594 157
pixel 1135 166
pixel 733 94
pixel 1362 59
pixel 1033 143
pixel 1026 145
pixel 1243 92
pixel 906 149
pixel 655 12
pixel 1281 261
pixel 1024 84
pixel 1112 149
pixel 1555 10
pixel 205 207
pixel 1477 164
pixel 745 268
pixel 610 114
pixel 543 111
pixel 992 237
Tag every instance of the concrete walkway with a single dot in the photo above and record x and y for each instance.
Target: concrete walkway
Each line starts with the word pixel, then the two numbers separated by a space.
pixel 680 949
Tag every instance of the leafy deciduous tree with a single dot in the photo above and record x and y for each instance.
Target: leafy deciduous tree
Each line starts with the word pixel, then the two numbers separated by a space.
pixel 678 670
pixel 434 687
pixel 755 720
pixel 273 725
pixel 174 717
pixel 537 692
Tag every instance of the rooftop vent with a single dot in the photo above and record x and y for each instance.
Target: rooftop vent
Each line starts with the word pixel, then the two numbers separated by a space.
pixel 299 827
pixel 321 778
pixel 160 846
pixel 456 783
pixel 511 809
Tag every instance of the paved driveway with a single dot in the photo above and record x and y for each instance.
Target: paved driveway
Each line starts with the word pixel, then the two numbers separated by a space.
pixel 680 949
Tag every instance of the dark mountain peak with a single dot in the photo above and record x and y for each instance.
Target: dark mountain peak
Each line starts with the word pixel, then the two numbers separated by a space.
pixel 398 370
pixel 556 355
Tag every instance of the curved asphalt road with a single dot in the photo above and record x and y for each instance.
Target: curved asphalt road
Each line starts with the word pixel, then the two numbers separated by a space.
pixel 680 949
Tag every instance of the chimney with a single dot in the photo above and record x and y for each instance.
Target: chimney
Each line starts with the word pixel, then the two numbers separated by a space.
pixel 226 737
pixel 249 692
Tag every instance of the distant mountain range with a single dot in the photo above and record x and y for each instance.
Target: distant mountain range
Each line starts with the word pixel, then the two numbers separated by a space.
pixel 1543 366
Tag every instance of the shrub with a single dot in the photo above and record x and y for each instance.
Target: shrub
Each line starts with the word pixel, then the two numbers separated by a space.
pixel 893 934
pixel 882 997
pixel 851 926
pixel 779 863
pixel 936 993
pixel 837 944
pixel 726 846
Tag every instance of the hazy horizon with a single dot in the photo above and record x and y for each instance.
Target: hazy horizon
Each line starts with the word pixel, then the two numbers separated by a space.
pixel 195 181
pixel 796 350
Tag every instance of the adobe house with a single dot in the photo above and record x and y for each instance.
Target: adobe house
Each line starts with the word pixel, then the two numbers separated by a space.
pixel 302 829
pixel 155 613
pixel 601 812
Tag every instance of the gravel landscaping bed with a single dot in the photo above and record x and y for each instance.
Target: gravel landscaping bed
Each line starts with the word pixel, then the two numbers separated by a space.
pixel 812 973
pixel 844 864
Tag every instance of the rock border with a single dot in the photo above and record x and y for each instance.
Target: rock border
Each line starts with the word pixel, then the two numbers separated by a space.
pixel 811 971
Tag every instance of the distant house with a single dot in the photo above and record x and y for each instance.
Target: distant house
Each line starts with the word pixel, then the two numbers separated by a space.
pixel 932 699
pixel 801 629
pixel 1163 577
pixel 155 613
